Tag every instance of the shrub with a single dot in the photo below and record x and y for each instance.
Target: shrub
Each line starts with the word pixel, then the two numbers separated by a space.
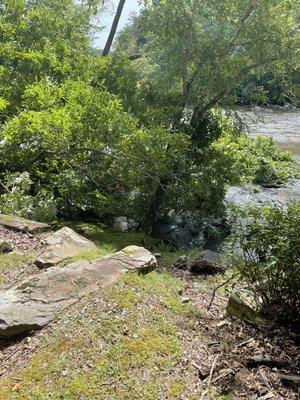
pixel 270 241
pixel 18 202
pixel 256 160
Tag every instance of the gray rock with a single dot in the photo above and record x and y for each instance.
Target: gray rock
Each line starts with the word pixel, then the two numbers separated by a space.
pixel 157 255
pixel 38 300
pixel 60 246
pixel 186 300
pixel 6 247
pixel 124 224
pixel 21 224
pixel 243 307
pixel 183 262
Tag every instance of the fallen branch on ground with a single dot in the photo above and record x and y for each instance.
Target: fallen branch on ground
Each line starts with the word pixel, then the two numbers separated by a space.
pixel 216 289
pixel 210 377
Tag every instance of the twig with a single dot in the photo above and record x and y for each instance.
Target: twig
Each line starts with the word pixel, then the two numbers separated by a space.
pixel 215 291
pixel 224 374
pixel 4 187
pixel 245 342
pixel 210 376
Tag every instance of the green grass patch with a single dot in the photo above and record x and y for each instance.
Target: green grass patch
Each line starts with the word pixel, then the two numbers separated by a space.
pixel 13 261
pixel 122 343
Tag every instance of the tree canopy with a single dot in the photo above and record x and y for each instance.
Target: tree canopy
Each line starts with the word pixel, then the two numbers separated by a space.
pixel 135 136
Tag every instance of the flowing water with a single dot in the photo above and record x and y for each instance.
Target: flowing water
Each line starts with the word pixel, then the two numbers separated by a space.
pixel 284 127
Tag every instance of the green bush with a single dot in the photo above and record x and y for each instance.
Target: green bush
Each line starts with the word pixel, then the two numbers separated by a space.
pixel 256 160
pixel 270 241
pixel 18 201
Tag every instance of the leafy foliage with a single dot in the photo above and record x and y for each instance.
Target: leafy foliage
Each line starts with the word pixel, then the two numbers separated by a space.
pixel 205 50
pixel 111 135
pixel 270 240
pixel 18 200
pixel 256 160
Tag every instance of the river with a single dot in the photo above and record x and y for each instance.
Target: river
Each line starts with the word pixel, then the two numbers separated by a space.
pixel 284 127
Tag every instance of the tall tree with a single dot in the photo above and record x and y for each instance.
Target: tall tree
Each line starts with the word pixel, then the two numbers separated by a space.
pixel 207 48
pixel 113 29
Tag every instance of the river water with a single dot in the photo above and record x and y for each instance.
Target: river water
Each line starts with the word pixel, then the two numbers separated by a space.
pixel 284 127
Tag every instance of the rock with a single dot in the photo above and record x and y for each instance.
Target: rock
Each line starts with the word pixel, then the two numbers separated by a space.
pixel 36 301
pixel 183 262
pixel 124 224
pixel 60 246
pixel 243 309
pixel 209 262
pixel 6 247
pixel 157 255
pixel 173 235
pixel 21 224
pixel 185 300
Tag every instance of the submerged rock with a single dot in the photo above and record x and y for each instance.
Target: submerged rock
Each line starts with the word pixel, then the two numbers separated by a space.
pixel 61 245
pixel 38 300
pixel 21 224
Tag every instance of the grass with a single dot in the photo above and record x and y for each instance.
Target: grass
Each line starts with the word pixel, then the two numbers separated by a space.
pixel 11 262
pixel 124 344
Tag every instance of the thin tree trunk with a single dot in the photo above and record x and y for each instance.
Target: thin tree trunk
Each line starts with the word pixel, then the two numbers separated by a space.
pixel 113 29
pixel 154 206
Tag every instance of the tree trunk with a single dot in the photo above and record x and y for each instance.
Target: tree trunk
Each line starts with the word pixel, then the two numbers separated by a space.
pixel 113 28
pixel 152 211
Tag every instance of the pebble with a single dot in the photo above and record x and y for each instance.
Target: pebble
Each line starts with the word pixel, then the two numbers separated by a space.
pixel 186 299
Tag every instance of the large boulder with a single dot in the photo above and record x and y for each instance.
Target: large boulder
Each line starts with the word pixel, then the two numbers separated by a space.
pixel 61 245
pixel 38 300
pixel 21 224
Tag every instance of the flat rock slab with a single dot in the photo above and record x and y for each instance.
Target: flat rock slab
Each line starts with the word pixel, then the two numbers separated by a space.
pixel 36 301
pixel 21 224
pixel 61 245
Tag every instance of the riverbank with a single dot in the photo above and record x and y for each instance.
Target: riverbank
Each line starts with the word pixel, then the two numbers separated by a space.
pixel 283 126
pixel 145 337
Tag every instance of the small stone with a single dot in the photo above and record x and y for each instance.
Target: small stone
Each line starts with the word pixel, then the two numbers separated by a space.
pixel 157 255
pixel 134 336
pixel 64 372
pixel 6 247
pixel 240 307
pixel 183 262
pixel 186 299
pixel 198 285
pixel 125 330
